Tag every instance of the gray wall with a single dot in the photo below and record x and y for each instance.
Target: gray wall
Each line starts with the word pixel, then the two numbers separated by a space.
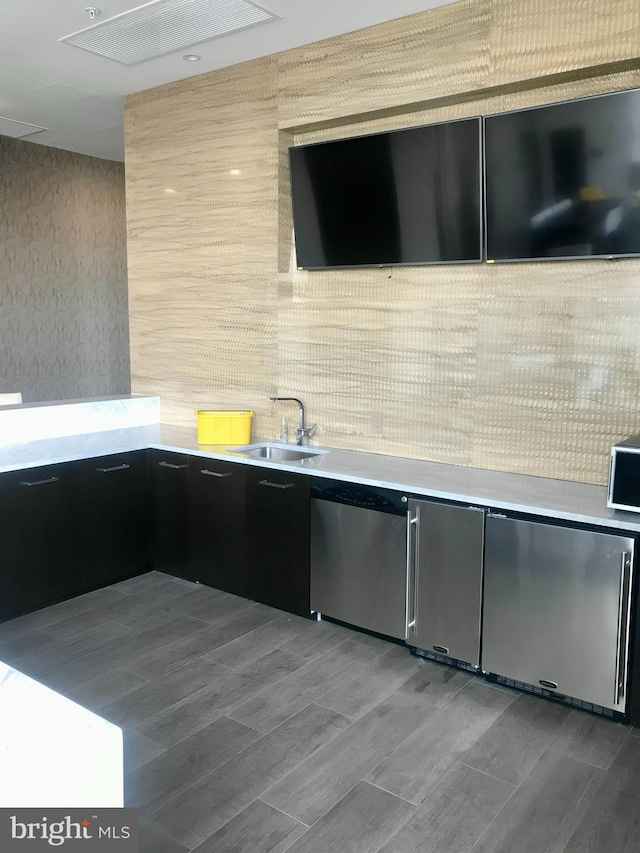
pixel 63 274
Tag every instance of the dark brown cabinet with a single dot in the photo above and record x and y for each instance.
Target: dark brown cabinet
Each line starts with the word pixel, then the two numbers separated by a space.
pixel 113 524
pixel 277 530
pixel 168 475
pixel 68 528
pixel 39 537
pixel 217 524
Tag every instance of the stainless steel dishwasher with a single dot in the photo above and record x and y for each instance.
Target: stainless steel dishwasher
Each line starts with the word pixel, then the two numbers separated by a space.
pixel 359 555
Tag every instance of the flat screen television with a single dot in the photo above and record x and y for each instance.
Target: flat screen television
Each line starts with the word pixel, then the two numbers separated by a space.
pixel 563 181
pixel 410 196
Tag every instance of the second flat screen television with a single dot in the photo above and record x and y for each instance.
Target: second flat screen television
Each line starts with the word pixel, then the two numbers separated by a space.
pixel 563 181
pixel 405 197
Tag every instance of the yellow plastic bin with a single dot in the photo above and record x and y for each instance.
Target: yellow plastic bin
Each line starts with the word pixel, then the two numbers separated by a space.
pixel 224 427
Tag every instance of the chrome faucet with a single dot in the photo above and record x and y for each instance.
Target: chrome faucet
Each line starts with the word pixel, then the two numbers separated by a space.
pixel 303 433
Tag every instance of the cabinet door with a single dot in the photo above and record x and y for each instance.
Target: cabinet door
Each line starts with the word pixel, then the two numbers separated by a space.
pixel 39 537
pixel 168 478
pixel 278 539
pixel 445 584
pixel 557 608
pixel 218 524
pixel 113 520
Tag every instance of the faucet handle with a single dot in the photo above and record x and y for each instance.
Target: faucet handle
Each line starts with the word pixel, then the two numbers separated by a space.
pixel 303 434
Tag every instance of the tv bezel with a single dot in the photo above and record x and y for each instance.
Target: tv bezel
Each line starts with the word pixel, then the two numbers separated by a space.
pixel 481 201
pixel 553 258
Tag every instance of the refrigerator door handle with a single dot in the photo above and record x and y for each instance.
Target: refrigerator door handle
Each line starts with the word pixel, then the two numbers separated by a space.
pixel 624 617
pixel 412 547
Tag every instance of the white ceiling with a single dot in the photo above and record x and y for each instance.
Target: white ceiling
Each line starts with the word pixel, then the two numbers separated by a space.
pixel 83 111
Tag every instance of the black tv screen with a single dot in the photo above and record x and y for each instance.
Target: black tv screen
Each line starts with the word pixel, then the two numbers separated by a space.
pixel 405 197
pixel 563 181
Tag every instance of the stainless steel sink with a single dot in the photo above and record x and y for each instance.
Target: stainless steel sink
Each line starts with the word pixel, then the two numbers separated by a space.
pixel 278 452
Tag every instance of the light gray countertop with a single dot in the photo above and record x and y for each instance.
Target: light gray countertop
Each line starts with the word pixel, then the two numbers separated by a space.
pixel 559 499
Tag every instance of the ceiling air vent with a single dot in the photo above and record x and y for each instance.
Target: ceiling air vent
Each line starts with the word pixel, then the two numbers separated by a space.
pixel 164 26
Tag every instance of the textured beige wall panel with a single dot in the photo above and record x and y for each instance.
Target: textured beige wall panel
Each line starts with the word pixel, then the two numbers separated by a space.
pixel 405 61
pixel 203 242
pixel 531 38
pixel 518 367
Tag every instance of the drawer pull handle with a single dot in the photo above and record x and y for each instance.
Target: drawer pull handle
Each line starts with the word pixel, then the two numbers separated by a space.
pixel 550 684
pixel 39 482
pixel 276 485
pixel 122 467
pixel 442 649
pixel 171 465
pixel 216 473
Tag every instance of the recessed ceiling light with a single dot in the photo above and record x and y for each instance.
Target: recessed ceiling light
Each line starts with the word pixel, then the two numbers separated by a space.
pixel 192 57
pixel 171 192
pixel 235 172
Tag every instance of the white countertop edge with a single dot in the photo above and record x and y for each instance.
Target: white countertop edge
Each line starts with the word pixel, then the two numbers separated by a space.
pixel 580 503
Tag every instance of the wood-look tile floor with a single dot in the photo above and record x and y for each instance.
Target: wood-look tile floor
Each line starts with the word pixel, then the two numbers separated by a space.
pixel 248 730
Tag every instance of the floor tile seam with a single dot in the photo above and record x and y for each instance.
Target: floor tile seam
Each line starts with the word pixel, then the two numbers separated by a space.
pixel 440 712
pixel 485 832
pixel 161 622
pixel 293 714
pixel 100 677
pixel 533 760
pixel 583 761
pixel 269 686
pixel 260 731
pixel 235 806
pixel 369 770
pixel 556 751
pixel 16 655
pixel 171 670
pixel 263 796
pixel 56 623
pixel 240 637
pixel 246 666
pixel 328 739
pixel 56 620
pixel 149 571
pixel 342 673
pixel 415 805
pixel 501 688
pixel 176 668
pixel 329 708
pixel 266 687
pixel 381 698
pixel 159 647
pixel 513 785
pixel 66 645
pixel 358 638
pixel 163 755
pixel 505 805
pixel 283 812
pixel 84 653
pixel 209 655
pixel 178 703
pixel 228 615
pixel 351 672
pixel 94 628
pixel 162 800
pixel 110 613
